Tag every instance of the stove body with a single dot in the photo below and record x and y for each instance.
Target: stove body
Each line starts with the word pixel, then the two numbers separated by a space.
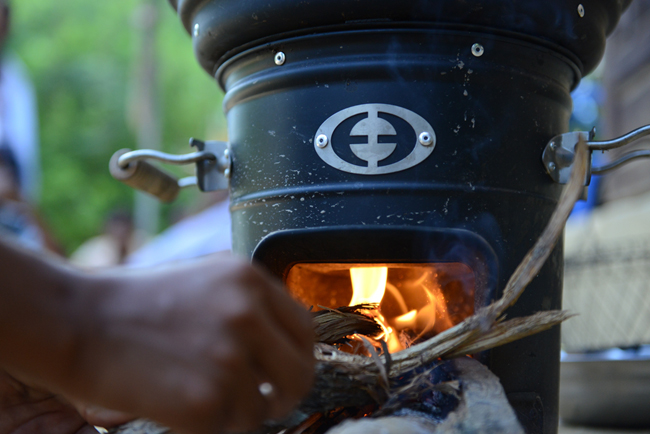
pixel 328 105
pixel 481 198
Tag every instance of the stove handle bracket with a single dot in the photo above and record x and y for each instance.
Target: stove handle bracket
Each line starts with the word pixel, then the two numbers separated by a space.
pixel 560 150
pixel 213 165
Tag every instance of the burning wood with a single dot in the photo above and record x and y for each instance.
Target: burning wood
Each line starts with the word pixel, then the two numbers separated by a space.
pixel 336 325
pixel 383 385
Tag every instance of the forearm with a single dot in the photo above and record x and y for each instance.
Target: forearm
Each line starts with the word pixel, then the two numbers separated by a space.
pixel 41 303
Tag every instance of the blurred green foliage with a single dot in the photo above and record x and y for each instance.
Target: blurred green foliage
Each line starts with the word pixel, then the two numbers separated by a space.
pixel 82 57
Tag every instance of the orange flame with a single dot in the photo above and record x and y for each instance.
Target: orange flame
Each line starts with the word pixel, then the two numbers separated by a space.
pixel 369 285
pixel 408 320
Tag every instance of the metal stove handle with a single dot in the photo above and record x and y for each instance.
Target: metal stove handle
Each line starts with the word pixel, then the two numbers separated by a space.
pixel 558 154
pixel 213 165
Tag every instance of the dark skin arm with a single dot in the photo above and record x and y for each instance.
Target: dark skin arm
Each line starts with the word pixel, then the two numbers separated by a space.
pixel 186 345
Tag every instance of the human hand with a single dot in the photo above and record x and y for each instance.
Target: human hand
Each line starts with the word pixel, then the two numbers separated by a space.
pixel 32 410
pixel 188 346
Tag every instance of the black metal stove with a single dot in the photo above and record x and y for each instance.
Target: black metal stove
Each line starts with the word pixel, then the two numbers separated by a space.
pixel 406 136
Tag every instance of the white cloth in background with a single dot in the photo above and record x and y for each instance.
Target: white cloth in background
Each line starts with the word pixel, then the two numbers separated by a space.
pixel 19 124
pixel 103 251
pixel 200 234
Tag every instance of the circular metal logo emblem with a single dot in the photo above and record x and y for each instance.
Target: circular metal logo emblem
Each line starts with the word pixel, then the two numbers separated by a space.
pixel 374 139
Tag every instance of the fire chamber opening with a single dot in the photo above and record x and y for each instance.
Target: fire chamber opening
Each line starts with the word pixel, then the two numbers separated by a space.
pixel 416 301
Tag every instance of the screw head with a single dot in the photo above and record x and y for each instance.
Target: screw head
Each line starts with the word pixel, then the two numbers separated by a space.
pixel 551 166
pixel 197 28
pixel 322 141
pixel 425 139
pixel 478 50
pixel 581 10
pixel 280 58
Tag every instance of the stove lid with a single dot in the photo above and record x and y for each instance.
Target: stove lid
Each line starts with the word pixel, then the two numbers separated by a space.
pixel 221 28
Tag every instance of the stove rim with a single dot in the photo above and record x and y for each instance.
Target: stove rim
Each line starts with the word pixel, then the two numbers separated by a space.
pixel 318 33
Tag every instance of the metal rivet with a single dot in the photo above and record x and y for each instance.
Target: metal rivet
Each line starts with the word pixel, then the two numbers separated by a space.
pixel 425 139
pixel 581 10
pixel 226 152
pixel 196 29
pixel 226 173
pixel 478 50
pixel 551 166
pixel 553 145
pixel 280 58
pixel 322 141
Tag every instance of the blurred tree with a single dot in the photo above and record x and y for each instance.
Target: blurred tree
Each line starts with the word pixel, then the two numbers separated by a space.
pixel 81 57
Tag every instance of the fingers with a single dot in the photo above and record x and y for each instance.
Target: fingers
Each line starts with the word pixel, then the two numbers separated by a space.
pixel 229 401
pixel 276 334
pixel 246 408
pixel 189 346
pixel 103 417
pixel 288 313
pixel 284 366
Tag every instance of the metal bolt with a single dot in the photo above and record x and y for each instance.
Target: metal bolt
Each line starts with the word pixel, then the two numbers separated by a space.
pixel 551 166
pixel 280 58
pixel 478 50
pixel 581 10
pixel 425 139
pixel 322 141
pixel 196 29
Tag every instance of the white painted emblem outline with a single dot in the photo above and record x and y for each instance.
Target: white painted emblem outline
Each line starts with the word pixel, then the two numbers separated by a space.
pixel 417 155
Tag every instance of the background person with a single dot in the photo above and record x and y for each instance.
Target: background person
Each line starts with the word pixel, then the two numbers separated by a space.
pixel 18 116
pixel 113 246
